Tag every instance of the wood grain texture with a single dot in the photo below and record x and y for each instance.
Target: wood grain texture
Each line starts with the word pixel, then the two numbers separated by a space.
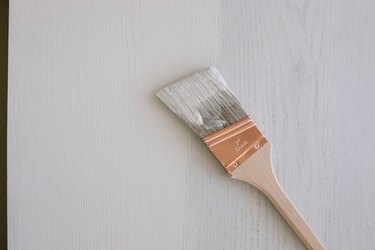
pixel 95 161
pixel 258 172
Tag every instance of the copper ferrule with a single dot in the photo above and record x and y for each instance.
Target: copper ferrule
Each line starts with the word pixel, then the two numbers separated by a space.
pixel 236 143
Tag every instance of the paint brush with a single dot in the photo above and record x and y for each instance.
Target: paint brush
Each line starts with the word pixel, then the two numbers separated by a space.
pixel 205 103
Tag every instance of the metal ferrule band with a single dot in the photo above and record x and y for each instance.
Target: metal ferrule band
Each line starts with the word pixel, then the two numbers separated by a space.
pixel 236 143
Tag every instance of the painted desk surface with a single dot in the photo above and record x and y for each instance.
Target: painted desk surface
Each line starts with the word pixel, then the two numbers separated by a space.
pixel 96 161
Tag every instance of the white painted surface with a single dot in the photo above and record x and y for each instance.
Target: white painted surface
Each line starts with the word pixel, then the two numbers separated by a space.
pixel 97 162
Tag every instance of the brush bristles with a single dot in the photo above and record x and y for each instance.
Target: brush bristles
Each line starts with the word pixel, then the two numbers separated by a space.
pixel 204 102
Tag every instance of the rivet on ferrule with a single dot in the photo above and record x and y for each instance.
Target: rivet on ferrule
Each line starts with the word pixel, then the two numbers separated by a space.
pixel 236 143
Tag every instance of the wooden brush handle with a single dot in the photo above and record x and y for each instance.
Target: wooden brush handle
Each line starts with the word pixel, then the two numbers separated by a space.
pixel 258 171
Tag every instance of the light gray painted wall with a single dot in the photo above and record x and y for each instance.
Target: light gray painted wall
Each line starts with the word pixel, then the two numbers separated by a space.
pixel 97 162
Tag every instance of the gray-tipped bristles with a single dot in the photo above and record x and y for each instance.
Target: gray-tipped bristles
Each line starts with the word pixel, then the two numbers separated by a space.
pixel 203 101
